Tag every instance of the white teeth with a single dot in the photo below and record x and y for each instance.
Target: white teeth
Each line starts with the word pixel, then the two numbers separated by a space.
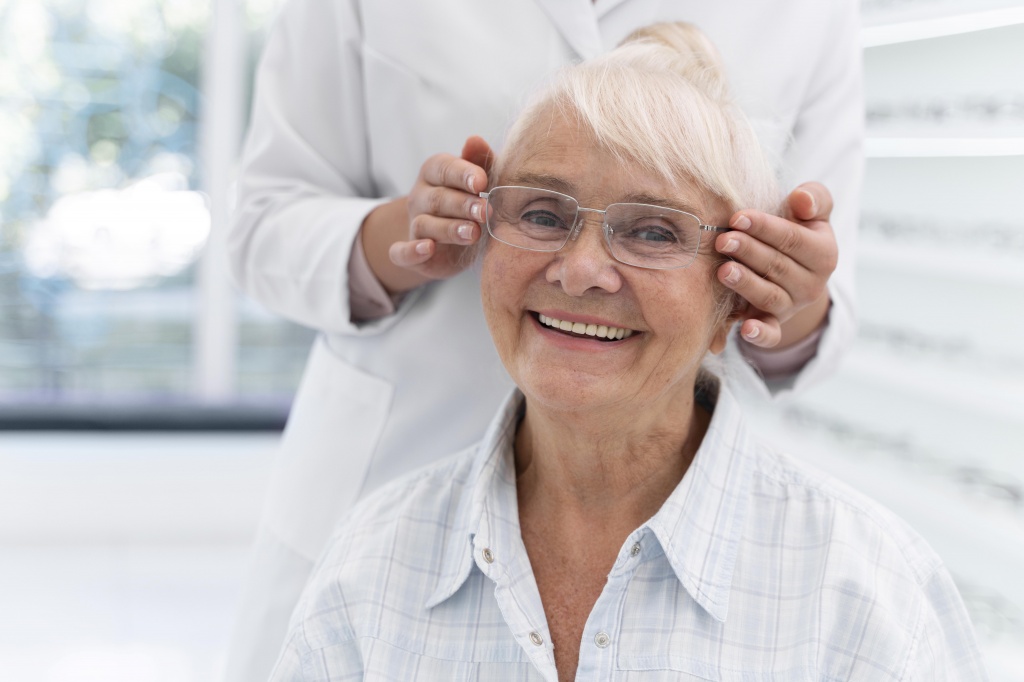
pixel 599 330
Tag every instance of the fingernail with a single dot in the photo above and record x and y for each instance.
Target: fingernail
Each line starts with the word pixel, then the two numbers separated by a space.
pixel 477 211
pixel 731 246
pixel 741 222
pixel 814 204
pixel 754 332
pixel 733 276
pixel 423 248
pixel 471 182
pixel 466 233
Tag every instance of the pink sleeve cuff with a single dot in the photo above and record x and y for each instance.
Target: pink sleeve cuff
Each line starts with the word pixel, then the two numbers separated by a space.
pixel 368 299
pixel 780 364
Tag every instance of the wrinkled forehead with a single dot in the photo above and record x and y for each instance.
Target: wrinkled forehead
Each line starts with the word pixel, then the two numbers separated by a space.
pixel 544 137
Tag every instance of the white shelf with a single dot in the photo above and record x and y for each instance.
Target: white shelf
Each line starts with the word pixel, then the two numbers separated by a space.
pixel 937 27
pixel 986 268
pixel 998 397
pixel 930 147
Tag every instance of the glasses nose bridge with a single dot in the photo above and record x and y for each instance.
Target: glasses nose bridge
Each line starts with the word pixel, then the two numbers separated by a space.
pixel 581 219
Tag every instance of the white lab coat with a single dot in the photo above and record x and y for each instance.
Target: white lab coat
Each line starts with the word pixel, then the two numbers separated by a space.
pixel 353 95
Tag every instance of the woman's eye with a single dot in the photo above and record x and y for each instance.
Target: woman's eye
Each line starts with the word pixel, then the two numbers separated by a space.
pixel 543 219
pixel 654 234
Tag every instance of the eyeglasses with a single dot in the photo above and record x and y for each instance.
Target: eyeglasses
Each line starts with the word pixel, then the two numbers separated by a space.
pixel 637 234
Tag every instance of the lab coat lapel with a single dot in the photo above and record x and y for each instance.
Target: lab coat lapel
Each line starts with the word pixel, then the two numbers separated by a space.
pixel 576 20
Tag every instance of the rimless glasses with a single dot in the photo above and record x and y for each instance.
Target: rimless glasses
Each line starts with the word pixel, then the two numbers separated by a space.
pixel 642 235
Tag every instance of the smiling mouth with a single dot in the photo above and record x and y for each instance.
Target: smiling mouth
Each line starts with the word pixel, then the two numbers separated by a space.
pixel 598 332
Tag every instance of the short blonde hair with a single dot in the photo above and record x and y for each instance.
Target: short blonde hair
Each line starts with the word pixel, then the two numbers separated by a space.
pixel 660 101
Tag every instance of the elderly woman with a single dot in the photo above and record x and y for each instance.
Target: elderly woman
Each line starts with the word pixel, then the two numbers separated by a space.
pixel 618 521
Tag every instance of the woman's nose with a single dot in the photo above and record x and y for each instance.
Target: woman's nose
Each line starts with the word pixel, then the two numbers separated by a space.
pixel 585 262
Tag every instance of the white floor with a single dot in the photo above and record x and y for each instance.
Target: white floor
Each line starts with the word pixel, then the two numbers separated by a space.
pixel 116 614
pixel 121 555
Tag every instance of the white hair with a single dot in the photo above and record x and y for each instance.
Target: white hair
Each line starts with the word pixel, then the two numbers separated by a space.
pixel 660 101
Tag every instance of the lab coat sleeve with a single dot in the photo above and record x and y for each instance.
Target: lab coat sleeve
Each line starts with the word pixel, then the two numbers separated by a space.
pixel 828 147
pixel 305 182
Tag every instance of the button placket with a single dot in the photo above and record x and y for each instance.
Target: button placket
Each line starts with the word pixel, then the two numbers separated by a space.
pixel 605 615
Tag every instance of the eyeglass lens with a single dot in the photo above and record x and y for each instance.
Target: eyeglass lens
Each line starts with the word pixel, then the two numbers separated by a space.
pixel 638 234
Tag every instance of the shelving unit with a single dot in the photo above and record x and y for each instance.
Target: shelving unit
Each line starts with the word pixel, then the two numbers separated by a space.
pixel 898 422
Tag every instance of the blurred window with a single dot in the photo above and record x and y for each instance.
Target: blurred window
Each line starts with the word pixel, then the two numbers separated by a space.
pixel 102 218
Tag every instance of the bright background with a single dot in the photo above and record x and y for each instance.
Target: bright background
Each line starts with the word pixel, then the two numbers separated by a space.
pixel 121 551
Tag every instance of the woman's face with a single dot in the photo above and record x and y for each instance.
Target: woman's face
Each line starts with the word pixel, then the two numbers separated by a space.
pixel 671 313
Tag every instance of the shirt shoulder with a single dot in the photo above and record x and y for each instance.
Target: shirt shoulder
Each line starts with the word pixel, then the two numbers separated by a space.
pixel 852 516
pixel 426 491
pixel 880 592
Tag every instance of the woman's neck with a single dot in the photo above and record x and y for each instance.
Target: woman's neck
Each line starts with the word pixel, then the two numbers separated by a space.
pixel 609 467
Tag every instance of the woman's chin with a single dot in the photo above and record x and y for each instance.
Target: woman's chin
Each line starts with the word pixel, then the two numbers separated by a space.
pixel 566 391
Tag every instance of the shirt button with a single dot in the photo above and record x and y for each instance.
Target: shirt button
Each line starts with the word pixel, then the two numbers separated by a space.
pixel 635 549
pixel 536 638
pixel 602 639
pixel 488 555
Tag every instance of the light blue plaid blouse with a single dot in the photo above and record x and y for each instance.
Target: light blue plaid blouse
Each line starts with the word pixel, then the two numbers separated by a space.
pixel 756 568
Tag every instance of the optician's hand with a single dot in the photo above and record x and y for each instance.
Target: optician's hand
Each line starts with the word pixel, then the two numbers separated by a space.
pixel 445 212
pixel 423 236
pixel 781 266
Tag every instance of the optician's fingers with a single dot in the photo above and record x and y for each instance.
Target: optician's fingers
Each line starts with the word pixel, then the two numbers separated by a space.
pixel 445 170
pixel 427 257
pixel 812 245
pixel 761 329
pixel 446 203
pixel 810 201
pixel 412 253
pixel 444 230
pixel 802 284
pixel 762 294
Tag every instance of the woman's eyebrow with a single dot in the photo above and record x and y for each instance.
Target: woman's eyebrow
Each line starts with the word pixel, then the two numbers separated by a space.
pixel 655 200
pixel 543 180
pixel 562 185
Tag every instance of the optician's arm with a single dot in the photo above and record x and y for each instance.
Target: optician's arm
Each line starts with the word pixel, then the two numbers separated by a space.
pixel 305 169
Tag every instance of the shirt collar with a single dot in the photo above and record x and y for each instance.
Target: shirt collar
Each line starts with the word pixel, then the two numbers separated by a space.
pixel 699 527
pixel 492 467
